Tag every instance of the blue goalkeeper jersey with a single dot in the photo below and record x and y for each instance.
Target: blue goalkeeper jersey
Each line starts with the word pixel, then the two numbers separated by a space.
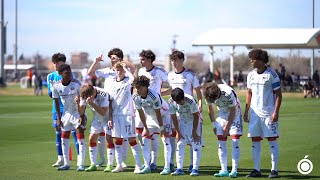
pixel 51 79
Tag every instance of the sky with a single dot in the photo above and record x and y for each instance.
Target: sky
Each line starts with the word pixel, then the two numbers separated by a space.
pixel 96 26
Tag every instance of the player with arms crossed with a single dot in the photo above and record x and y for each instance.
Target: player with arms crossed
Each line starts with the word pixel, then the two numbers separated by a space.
pixel 154 114
pixel 228 123
pixel 68 91
pixel 185 115
pixel 121 115
pixel 262 109
pixel 98 101
pixel 52 78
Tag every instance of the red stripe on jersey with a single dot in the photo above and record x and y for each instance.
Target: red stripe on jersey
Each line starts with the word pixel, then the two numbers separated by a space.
pixel 102 134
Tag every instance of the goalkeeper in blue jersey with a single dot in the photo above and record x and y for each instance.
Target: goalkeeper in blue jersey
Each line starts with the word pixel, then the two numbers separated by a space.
pixel 57 60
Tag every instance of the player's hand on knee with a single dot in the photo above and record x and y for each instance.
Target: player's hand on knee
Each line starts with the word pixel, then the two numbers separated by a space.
pixel 110 123
pixel 145 132
pixel 274 117
pixel 179 137
pixel 195 136
pixel 215 131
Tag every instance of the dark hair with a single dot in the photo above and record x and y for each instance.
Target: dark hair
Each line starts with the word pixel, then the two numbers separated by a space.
pixel 259 54
pixel 211 92
pixel 86 91
pixel 58 57
pixel 148 54
pixel 116 51
pixel 177 55
pixel 141 81
pixel 63 67
pixel 177 94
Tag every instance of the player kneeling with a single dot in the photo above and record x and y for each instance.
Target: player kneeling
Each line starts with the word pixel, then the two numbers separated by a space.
pixel 185 115
pixel 154 114
pixel 98 101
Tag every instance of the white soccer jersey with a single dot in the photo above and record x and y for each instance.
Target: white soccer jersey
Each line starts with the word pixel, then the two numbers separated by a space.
pixel 227 99
pixel 101 100
pixel 262 87
pixel 149 104
pixel 67 95
pixel 156 75
pixel 120 94
pixel 109 76
pixel 185 80
pixel 184 112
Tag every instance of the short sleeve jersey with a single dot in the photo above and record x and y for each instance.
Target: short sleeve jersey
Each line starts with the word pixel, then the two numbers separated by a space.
pixel 67 95
pixel 53 78
pixel 185 80
pixel 109 76
pixel 263 86
pixel 101 100
pixel 184 112
pixel 120 94
pixel 156 75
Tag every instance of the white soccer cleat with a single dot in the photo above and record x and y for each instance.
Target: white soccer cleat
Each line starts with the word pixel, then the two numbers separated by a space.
pixel 136 170
pixel 58 163
pixel 124 165
pixel 117 169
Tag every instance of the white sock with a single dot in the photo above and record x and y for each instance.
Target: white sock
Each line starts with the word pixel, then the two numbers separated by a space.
pixel 101 146
pixel 196 156
pixel 222 153
pixel 146 151
pixel 82 151
pixel 118 149
pixel 60 157
pixel 167 151
pixel 191 154
pixel 125 146
pixel 154 148
pixel 173 148
pixel 136 154
pixel 180 154
pixel 139 136
pixel 256 155
pixel 235 154
pixel 93 154
pixel 65 150
pixel 274 154
pixel 110 155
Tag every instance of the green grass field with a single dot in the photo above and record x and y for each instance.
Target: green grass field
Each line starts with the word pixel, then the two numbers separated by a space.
pixel 27 146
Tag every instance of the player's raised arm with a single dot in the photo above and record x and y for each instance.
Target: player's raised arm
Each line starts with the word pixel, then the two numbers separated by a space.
pixel 93 66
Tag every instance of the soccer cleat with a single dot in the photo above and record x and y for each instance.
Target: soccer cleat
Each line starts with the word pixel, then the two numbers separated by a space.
pixel 137 169
pixel 171 166
pixel 177 172
pixel 222 174
pixel 165 171
pixel 254 173
pixel 91 168
pixel 64 167
pixel 233 174
pixel 108 168
pixel 58 163
pixel 153 167
pixel 100 163
pixel 273 174
pixel 190 168
pixel 117 169
pixel 145 170
pixel 142 167
pixel 124 165
pixel 194 172
pixel 81 168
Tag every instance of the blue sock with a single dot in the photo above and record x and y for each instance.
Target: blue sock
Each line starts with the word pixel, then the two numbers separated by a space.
pixel 75 141
pixel 58 143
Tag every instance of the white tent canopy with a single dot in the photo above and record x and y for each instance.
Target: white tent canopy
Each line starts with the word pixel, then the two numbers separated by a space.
pixel 283 38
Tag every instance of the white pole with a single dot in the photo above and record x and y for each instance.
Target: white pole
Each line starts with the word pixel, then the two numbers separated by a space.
pixel 231 65
pixel 16 44
pixel 211 59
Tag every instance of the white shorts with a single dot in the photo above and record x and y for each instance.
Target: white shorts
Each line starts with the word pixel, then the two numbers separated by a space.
pixel 186 131
pixel 166 125
pixel 70 121
pixel 106 128
pixel 138 122
pixel 123 126
pixel 235 127
pixel 97 126
pixel 261 127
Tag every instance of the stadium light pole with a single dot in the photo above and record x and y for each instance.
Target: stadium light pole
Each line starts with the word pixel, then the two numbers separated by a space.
pixel 16 44
pixel 2 44
pixel 312 51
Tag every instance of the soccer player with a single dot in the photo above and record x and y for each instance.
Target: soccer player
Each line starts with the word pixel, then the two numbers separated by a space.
pixel 68 90
pixel 98 101
pixel 185 115
pixel 262 109
pixel 186 80
pixel 154 114
pixel 157 76
pixel 109 74
pixel 228 123
pixel 52 78
pixel 121 115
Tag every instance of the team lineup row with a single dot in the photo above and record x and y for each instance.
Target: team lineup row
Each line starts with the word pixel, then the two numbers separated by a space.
pixel 124 114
